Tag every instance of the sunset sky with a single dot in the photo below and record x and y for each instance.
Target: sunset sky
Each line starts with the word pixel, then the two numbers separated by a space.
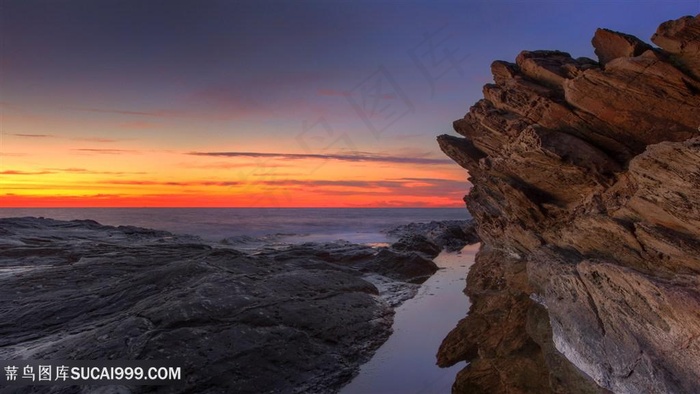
pixel 262 103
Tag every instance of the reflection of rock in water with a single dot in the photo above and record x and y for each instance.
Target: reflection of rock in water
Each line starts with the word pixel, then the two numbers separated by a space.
pixel 586 195
pixel 298 319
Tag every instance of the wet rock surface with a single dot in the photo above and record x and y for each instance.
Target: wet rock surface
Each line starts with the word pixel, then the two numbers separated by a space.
pixel 295 320
pixel 586 197
pixel 431 237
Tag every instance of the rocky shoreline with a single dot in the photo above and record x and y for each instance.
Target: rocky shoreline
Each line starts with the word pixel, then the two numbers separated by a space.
pixel 298 319
pixel 586 196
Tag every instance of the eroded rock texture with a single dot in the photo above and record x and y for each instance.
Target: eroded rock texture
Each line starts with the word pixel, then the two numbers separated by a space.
pixel 295 320
pixel 587 196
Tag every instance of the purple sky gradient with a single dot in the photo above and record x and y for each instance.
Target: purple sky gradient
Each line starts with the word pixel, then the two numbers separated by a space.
pixel 296 78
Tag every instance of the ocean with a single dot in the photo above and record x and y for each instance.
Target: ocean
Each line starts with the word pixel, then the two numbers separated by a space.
pixel 279 225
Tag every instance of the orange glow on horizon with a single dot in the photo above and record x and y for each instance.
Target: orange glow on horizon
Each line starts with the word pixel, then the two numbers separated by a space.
pixel 50 170
pixel 188 201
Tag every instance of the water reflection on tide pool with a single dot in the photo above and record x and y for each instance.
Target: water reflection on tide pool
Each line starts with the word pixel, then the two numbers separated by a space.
pixel 405 364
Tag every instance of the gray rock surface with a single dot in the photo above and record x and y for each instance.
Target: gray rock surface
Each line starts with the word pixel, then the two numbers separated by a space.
pixel 450 235
pixel 296 320
pixel 419 243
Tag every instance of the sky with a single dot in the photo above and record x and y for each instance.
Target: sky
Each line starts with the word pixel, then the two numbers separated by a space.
pixel 262 103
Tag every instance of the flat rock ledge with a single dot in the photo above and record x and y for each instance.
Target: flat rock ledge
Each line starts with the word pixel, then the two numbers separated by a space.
pixel 294 320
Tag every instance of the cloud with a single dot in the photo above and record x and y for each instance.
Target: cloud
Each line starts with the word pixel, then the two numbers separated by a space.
pixel 139 125
pixel 156 114
pixel 401 204
pixel 409 136
pixel 258 93
pixel 272 173
pixel 332 93
pixel 228 166
pixel 144 183
pixel 428 186
pixel 166 183
pixel 105 151
pixel 74 170
pixel 341 93
pixel 105 140
pixel 406 187
pixel 351 157
pixel 34 135
pixel 437 182
pixel 332 183
pixel 14 172
pixel 89 139
pixel 423 187
pixel 91 172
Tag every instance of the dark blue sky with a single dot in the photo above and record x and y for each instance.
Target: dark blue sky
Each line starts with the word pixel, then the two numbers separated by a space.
pixel 274 76
pixel 259 57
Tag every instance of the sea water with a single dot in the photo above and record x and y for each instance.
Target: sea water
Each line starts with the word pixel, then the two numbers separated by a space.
pixel 405 363
pixel 292 225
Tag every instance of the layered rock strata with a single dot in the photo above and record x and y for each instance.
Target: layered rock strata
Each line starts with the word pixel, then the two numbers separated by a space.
pixel 587 200
pixel 299 319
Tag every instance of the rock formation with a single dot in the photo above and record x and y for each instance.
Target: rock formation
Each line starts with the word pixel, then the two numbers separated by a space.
pixel 450 235
pixel 587 200
pixel 299 319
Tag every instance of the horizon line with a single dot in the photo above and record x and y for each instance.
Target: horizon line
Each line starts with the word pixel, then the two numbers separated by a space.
pixel 225 207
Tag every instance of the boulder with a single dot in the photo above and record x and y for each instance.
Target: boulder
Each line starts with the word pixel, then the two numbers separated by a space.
pixel 610 45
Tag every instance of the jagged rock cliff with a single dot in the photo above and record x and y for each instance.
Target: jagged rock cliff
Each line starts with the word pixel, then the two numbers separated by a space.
pixel 587 196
